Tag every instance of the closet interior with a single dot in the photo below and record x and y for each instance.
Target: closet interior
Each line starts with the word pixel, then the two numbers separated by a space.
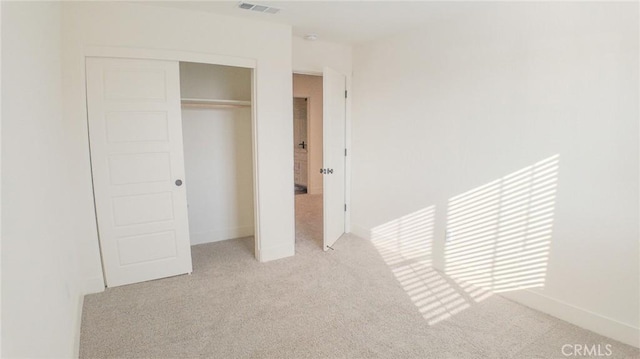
pixel 218 150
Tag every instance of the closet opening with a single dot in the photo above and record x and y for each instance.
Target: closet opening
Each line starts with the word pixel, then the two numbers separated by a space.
pixel 218 152
pixel 308 147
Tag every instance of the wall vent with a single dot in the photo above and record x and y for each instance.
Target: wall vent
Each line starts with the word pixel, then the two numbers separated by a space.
pixel 258 8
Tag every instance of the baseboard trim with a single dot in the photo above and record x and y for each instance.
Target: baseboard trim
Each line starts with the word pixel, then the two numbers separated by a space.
pixel 274 253
pixel 360 231
pixel 221 235
pixel 78 327
pixel 596 323
pixel 93 285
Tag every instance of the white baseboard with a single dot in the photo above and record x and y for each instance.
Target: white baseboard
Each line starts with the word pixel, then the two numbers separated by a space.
pixel 78 326
pixel 273 253
pixel 93 285
pixel 583 318
pixel 360 231
pixel 221 235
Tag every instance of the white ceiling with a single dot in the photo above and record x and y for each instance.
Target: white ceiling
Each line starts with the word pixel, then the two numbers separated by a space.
pixel 348 22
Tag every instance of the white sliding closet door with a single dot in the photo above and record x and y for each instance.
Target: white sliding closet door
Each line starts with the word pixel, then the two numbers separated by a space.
pixel 135 130
pixel 333 155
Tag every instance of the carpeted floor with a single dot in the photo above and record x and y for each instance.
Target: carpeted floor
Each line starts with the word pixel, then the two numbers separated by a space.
pixel 344 303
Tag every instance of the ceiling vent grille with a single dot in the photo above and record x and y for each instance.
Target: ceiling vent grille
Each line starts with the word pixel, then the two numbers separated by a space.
pixel 258 8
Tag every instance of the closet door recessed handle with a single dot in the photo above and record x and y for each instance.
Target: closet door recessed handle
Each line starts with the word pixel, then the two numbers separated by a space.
pixel 178 182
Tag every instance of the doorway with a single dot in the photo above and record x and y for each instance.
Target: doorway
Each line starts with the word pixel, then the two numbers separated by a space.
pixel 218 156
pixel 308 148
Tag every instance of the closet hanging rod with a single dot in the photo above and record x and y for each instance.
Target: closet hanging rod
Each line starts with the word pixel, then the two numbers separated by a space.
pixel 200 102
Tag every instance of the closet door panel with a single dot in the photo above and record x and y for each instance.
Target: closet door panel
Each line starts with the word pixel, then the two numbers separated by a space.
pixel 135 131
pixel 137 126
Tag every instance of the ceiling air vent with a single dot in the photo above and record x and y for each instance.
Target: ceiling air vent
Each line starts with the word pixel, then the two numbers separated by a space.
pixel 258 8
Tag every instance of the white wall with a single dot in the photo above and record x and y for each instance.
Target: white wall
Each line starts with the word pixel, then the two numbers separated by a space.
pixel 311 87
pixel 88 25
pixel 217 153
pixel 216 82
pixel 40 279
pixel 0 183
pixel 313 56
pixel 491 89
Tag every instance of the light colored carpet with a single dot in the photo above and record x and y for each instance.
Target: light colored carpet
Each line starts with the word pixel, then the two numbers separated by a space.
pixel 344 303
pixel 308 223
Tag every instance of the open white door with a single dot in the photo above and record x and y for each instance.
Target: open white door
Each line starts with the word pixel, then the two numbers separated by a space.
pixel 135 131
pixel 333 155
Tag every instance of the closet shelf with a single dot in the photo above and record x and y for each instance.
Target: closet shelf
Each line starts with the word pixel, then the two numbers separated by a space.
pixel 201 102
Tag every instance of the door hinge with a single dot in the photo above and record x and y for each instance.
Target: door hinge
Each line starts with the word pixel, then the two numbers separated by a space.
pixel 345 152
pixel 345 93
pixel 345 207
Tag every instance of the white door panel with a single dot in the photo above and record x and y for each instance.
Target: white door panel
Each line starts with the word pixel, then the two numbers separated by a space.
pixel 135 132
pixel 333 155
pixel 140 126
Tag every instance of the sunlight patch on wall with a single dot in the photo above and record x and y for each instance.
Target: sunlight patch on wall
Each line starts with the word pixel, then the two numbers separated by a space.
pixel 407 239
pixel 499 234
pixel 405 245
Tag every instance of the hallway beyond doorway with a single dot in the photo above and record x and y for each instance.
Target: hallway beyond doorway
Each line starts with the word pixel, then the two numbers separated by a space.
pixel 308 222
